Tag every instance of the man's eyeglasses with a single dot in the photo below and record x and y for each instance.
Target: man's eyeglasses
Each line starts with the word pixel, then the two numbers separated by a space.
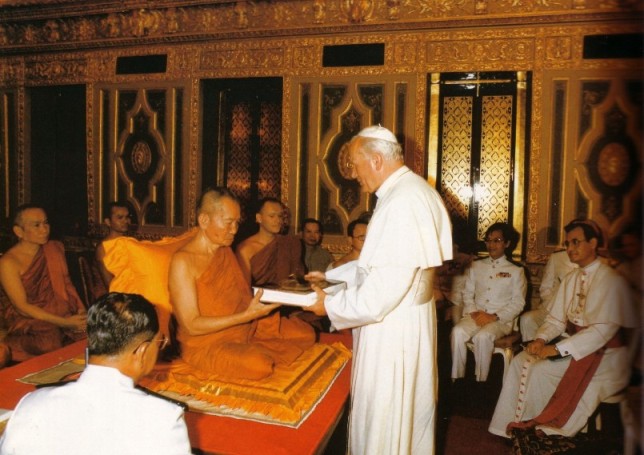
pixel 162 340
pixel 496 240
pixel 574 242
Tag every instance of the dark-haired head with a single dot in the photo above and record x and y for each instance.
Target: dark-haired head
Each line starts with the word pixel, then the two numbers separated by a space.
pixel 591 229
pixel 352 226
pixel 312 221
pixel 505 229
pixel 117 320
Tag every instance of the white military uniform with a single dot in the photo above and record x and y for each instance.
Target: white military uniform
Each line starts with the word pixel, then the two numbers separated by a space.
pixel 101 413
pixel 495 286
pixel 394 373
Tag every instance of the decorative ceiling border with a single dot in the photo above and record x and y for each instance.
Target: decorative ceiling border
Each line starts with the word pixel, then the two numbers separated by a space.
pixel 77 25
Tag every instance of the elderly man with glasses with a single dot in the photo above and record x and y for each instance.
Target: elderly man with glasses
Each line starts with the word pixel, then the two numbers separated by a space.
pixel 103 412
pixel 578 357
pixel 493 297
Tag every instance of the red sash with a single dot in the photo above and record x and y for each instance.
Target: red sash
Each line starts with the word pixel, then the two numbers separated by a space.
pixel 571 387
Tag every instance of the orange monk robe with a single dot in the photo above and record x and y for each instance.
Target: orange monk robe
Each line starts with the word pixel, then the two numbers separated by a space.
pixel 277 260
pixel 245 351
pixel 48 287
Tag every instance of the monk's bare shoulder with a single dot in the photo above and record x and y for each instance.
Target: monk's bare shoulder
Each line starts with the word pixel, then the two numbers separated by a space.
pixel 249 247
pixel 10 262
pixel 190 260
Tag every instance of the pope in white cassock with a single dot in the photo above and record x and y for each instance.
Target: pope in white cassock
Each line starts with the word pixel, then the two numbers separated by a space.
pixel 390 303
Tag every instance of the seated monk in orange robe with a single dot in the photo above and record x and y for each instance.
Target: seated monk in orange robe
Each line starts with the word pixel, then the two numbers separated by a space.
pixel 46 311
pixel 268 257
pixel 222 329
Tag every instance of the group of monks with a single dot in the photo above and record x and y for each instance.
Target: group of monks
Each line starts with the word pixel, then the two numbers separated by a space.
pixel 222 328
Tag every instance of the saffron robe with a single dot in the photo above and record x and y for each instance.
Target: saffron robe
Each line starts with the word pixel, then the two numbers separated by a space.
pixel 531 382
pixel 277 260
pixel 391 310
pixel 244 351
pixel 49 287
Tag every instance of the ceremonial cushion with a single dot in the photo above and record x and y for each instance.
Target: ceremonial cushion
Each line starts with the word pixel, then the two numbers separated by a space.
pixel 141 267
pixel 287 397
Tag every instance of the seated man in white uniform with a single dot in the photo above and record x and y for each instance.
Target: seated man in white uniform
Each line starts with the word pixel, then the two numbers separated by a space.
pixel 557 267
pixel 583 335
pixel 103 412
pixel 493 297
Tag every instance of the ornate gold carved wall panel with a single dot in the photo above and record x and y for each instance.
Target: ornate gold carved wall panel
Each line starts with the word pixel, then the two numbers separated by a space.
pixel 597 159
pixel 140 153
pixel 330 112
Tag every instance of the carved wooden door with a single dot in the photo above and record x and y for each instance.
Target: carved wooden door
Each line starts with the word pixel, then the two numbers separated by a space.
pixel 481 149
pixel 242 137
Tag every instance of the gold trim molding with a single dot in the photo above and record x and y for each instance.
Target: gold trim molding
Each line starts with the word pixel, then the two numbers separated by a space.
pixel 25 28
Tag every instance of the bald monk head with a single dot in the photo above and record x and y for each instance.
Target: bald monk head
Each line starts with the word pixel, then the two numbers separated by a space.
pixel 218 215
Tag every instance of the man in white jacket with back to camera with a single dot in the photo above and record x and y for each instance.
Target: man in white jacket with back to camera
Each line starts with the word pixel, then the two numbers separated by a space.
pixel 103 412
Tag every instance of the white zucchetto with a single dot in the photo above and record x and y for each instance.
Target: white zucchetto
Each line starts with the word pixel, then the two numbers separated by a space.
pixel 378 132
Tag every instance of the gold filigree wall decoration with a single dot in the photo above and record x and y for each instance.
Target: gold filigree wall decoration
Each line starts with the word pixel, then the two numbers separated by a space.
pixel 481 7
pixel 418 122
pixel 456 154
pixel 405 53
pixel 243 58
pixel 490 50
pixel 112 23
pixel 288 169
pixel 12 71
pixel 496 161
pixel 22 159
pixel 192 187
pixel 533 5
pixel 306 57
pixel 58 71
pixel 438 8
pixel 357 11
pixel 559 48
pixel 93 171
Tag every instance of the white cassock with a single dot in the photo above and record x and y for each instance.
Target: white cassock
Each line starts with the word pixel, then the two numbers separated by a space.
pixel 391 308
pixel 607 308
pixel 557 267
